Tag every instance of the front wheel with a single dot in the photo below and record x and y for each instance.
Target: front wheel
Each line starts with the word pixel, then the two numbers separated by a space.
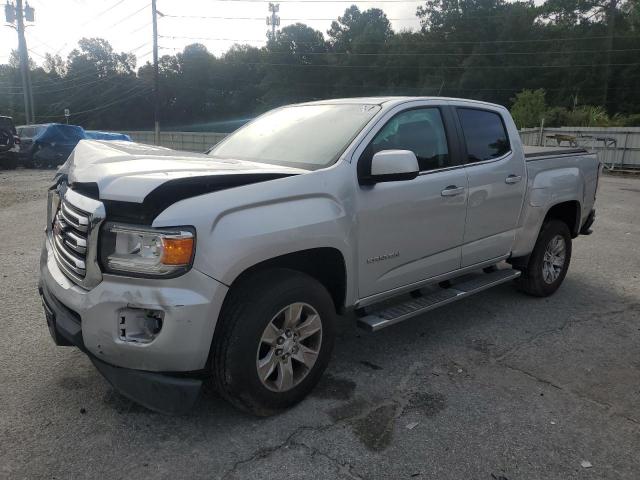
pixel 274 340
pixel 549 261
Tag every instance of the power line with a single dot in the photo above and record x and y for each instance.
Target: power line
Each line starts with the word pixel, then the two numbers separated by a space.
pixel 409 87
pixel 429 42
pixel 147 24
pixel 440 54
pixel 92 19
pixel 215 17
pixel 438 67
pixel 129 16
pixel 140 93
pixel 178 37
pixel 103 94
pixel 433 54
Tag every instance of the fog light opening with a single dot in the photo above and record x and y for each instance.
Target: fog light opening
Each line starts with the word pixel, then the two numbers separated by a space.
pixel 139 325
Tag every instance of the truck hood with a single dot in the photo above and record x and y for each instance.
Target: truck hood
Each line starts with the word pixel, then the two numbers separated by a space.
pixel 130 172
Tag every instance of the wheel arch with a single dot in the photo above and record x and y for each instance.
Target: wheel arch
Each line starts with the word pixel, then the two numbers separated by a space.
pixel 325 264
pixel 569 212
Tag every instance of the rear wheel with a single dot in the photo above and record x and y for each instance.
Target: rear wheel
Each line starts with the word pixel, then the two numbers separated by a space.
pixel 274 340
pixel 549 261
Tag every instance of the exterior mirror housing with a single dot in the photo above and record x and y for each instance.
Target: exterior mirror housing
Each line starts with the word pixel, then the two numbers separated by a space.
pixel 394 165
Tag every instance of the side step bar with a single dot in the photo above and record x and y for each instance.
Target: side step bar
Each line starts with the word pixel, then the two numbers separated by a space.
pixel 381 317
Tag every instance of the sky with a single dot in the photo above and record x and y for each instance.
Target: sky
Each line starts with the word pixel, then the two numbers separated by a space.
pixel 126 24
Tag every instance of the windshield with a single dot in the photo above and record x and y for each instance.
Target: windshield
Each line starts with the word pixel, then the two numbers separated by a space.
pixel 305 136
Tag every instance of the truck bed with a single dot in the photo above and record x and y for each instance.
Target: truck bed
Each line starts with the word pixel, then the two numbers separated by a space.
pixel 537 153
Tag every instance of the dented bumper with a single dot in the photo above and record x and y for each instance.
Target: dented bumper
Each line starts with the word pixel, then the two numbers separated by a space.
pixel 162 373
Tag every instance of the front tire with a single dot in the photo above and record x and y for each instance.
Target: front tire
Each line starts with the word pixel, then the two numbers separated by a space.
pixel 549 261
pixel 274 340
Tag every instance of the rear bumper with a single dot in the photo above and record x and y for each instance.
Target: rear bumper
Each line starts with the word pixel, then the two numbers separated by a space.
pixel 164 393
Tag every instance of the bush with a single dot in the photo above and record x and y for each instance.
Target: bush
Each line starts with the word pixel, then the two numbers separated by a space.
pixel 588 116
pixel 630 120
pixel 528 108
pixel 556 117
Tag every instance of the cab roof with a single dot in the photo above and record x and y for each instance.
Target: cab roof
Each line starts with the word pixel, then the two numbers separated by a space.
pixel 389 100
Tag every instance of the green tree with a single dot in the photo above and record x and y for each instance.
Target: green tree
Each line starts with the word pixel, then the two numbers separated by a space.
pixel 529 108
pixel 295 66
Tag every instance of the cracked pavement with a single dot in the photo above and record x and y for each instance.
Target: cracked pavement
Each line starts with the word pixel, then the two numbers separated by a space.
pixel 497 386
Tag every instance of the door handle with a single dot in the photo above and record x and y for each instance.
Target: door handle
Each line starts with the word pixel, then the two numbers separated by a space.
pixel 452 191
pixel 511 179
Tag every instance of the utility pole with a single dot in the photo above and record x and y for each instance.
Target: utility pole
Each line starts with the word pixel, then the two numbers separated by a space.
pixel 15 16
pixel 610 15
pixel 274 18
pixel 156 82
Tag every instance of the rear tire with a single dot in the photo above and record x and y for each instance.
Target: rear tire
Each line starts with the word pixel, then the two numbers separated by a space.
pixel 253 338
pixel 549 261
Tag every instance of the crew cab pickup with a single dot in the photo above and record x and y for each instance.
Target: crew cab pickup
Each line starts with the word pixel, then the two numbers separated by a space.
pixel 169 268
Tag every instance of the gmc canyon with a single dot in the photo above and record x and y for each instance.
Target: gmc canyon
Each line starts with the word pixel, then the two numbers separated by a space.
pixel 169 268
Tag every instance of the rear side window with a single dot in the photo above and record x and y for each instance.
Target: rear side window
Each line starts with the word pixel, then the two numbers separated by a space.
pixel 484 133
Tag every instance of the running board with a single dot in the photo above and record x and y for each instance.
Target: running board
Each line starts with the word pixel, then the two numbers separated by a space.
pixel 381 317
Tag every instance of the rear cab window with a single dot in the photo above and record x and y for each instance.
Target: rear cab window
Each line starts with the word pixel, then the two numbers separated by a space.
pixel 484 133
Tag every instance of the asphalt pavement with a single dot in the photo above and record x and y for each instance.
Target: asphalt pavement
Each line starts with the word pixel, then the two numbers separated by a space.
pixel 499 386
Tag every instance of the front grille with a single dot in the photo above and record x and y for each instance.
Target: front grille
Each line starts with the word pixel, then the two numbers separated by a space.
pixel 70 233
pixel 74 231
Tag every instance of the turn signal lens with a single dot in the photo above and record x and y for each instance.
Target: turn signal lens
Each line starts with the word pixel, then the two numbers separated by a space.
pixel 177 251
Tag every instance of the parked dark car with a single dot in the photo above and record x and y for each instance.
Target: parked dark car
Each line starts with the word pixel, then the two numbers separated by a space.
pixel 49 145
pixel 9 143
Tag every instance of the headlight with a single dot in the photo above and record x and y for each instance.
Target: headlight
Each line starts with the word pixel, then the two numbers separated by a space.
pixel 147 252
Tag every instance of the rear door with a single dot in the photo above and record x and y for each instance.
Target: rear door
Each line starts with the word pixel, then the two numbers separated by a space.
pixel 496 177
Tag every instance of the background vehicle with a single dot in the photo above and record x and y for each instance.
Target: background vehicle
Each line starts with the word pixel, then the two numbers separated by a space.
pixel 9 143
pixel 96 135
pixel 49 145
pixel 167 267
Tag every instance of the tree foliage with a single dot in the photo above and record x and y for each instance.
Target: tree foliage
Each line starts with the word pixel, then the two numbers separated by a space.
pixel 574 55
pixel 529 108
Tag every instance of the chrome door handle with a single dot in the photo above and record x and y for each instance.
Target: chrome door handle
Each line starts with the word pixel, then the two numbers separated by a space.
pixel 511 179
pixel 452 191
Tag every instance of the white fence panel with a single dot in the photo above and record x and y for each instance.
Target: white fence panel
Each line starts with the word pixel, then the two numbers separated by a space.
pixel 186 141
pixel 617 147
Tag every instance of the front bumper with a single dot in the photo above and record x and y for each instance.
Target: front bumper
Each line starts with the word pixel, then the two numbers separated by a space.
pixel 161 375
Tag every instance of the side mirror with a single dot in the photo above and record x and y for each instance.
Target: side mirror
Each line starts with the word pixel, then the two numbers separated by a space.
pixel 394 165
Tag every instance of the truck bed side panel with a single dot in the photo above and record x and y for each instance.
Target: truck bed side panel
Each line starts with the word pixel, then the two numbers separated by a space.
pixel 553 180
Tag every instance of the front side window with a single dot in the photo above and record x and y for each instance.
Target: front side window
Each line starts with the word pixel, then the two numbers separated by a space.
pixel 484 133
pixel 419 130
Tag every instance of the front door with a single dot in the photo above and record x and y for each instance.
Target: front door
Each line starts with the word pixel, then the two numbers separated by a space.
pixel 497 182
pixel 411 230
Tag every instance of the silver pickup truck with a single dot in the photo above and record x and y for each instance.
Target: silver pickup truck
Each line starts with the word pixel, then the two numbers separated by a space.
pixel 169 268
